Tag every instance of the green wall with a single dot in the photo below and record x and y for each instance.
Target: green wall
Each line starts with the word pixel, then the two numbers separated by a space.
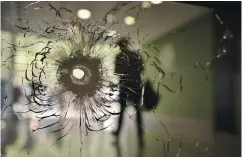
pixel 179 51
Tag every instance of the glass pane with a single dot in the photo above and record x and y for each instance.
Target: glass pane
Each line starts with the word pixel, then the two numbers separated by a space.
pixel 155 78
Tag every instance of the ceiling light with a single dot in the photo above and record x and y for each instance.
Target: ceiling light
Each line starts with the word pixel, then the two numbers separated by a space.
pixel 129 20
pixel 156 2
pixel 146 4
pixel 84 14
pixel 78 73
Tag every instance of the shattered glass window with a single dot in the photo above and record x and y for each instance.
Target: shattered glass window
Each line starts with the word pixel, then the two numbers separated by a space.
pixel 120 79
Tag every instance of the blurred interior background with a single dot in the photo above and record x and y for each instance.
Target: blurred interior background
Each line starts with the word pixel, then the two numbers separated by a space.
pixel 205 116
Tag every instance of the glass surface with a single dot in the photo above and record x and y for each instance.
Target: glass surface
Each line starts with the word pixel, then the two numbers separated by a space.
pixel 184 103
